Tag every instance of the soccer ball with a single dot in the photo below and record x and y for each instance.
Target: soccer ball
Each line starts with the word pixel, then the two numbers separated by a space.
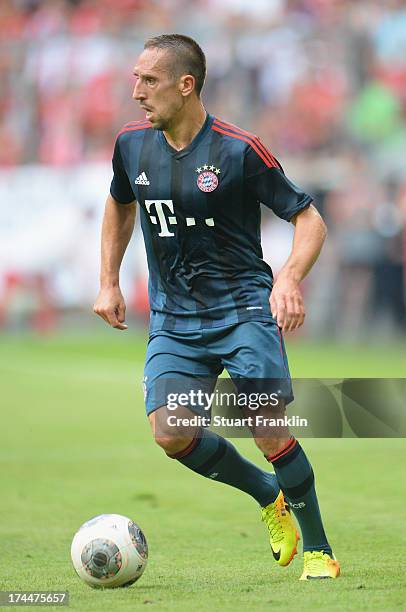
pixel 109 551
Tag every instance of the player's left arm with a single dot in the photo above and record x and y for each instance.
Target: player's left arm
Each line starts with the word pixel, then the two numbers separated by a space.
pixel 267 183
pixel 287 305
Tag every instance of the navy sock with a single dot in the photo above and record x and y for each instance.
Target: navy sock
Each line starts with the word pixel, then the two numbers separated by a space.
pixel 215 457
pixel 296 479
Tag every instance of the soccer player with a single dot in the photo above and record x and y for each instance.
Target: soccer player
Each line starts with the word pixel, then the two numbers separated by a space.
pixel 198 182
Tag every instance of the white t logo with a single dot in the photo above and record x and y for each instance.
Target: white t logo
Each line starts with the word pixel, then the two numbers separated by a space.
pixel 161 216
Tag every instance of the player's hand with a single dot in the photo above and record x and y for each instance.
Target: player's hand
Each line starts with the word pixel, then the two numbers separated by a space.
pixel 287 304
pixel 110 306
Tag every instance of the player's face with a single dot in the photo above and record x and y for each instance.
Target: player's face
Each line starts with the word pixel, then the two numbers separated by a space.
pixel 156 89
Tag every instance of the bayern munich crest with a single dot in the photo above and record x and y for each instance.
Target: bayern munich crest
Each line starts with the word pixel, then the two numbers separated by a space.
pixel 207 179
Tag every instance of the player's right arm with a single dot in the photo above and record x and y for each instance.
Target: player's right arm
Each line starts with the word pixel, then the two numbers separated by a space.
pixel 118 225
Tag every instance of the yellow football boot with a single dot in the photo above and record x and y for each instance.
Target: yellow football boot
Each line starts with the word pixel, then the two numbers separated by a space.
pixel 319 565
pixel 283 535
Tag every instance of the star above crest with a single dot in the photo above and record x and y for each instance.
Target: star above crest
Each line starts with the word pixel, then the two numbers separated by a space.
pixel 207 167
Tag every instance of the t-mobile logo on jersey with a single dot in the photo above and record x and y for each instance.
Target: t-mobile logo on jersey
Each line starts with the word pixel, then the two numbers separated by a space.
pixel 160 217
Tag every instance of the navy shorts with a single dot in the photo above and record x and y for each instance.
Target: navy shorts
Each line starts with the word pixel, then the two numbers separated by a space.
pixel 181 360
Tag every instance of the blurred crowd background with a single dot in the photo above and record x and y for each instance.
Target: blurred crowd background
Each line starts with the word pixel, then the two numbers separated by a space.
pixel 323 82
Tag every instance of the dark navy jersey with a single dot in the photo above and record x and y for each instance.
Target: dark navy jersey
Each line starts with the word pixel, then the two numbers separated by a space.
pixel 200 216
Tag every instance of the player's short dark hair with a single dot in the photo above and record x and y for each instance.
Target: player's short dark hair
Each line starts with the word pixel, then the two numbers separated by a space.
pixel 188 56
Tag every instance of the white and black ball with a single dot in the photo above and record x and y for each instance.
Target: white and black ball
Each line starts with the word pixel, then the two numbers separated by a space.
pixel 108 551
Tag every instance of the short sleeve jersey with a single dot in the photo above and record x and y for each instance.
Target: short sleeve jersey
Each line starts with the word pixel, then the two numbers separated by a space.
pixel 200 217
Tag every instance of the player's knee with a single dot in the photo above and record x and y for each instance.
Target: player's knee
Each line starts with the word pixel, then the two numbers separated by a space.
pixel 172 445
pixel 167 443
pixel 172 439
pixel 271 446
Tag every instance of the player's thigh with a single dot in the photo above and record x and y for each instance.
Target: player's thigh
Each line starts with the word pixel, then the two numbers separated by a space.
pixel 257 362
pixel 177 375
pixel 255 349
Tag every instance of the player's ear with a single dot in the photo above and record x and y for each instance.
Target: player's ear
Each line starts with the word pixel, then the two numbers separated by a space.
pixel 187 84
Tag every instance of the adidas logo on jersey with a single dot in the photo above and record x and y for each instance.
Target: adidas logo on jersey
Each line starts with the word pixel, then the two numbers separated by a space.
pixel 142 179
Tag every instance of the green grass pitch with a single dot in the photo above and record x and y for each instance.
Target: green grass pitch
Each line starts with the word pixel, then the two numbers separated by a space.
pixel 74 442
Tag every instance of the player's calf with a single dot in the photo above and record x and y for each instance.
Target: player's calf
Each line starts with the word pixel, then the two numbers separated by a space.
pixel 211 456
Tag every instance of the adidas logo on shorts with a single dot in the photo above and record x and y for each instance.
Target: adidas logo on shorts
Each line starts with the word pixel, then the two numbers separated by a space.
pixel 142 179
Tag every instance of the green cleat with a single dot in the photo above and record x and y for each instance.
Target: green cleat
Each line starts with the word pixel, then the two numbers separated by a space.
pixel 283 535
pixel 319 565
